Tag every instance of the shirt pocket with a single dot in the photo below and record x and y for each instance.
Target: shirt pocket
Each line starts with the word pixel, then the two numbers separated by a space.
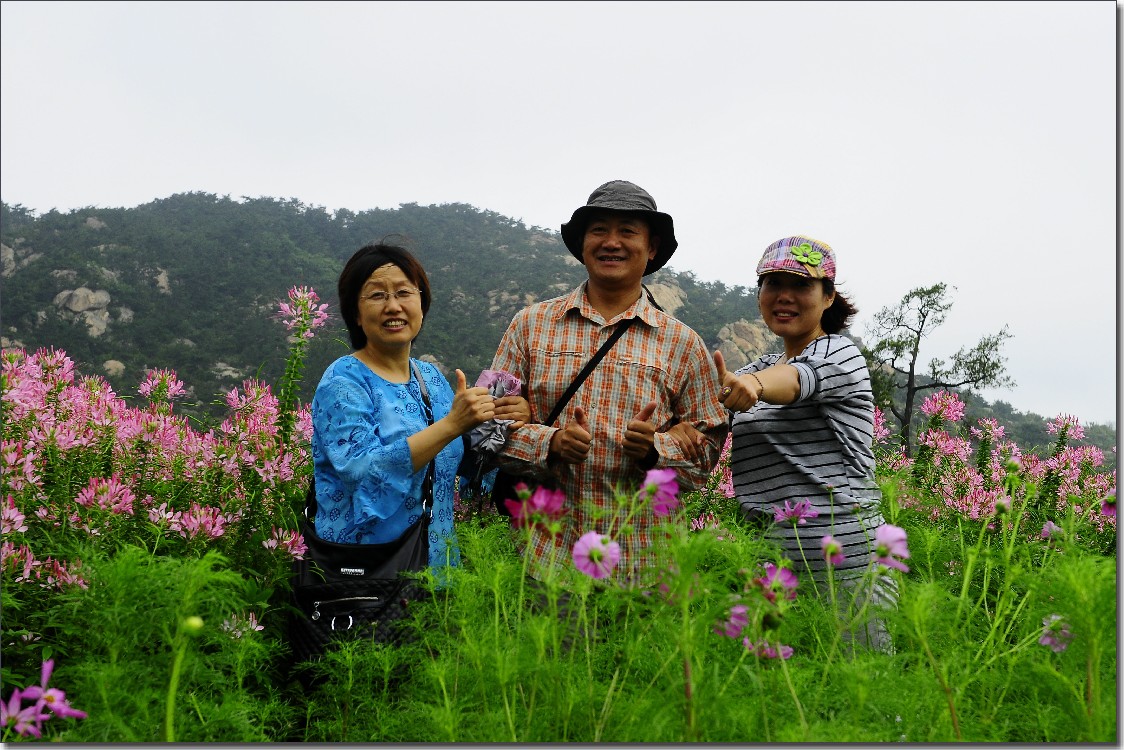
pixel 637 378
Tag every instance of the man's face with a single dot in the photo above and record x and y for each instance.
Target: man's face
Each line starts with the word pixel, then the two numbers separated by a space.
pixel 616 249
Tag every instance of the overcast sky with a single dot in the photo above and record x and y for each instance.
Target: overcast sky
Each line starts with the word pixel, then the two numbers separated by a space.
pixel 972 143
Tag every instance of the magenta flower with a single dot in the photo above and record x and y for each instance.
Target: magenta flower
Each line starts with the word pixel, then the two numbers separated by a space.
pixel 735 623
pixel 1068 424
pixel 541 508
pixel 239 626
pixel 795 514
pixel 596 554
pixel 777 581
pixel 765 651
pixel 881 431
pixel 161 385
pixel 1108 505
pixel 832 550
pixel 890 544
pixel 661 486
pixel 944 404
pixel 290 541
pixel 11 519
pixel 302 313
pixel 1055 633
pixel 49 697
pixel 27 720
pixel 1050 530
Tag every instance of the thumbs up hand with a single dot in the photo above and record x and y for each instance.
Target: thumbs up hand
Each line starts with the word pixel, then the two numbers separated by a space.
pixel 640 433
pixel 471 406
pixel 571 443
pixel 738 393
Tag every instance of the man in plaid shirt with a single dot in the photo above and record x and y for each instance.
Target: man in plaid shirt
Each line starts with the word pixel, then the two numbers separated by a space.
pixel 658 374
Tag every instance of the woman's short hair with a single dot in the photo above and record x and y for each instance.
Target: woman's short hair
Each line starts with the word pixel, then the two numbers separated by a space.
pixel 359 268
pixel 836 317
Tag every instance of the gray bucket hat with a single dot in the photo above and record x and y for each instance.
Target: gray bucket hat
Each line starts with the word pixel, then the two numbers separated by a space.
pixel 621 195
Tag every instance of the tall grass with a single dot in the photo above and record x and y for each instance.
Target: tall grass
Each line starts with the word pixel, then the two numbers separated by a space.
pixel 147 560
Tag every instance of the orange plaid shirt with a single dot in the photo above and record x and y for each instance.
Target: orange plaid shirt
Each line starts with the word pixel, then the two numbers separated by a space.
pixel 658 359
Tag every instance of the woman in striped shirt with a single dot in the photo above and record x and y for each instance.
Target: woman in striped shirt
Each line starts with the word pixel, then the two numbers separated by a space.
pixel 802 459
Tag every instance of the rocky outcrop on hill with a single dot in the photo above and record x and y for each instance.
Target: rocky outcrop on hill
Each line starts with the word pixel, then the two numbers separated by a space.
pixel 88 305
pixel 743 341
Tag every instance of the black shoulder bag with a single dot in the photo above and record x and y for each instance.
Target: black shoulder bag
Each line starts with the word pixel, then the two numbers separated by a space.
pixel 504 486
pixel 357 590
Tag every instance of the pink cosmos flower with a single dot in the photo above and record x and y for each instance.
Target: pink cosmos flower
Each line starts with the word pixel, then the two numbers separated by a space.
pixel 777 581
pixel 890 544
pixel 765 651
pixel 735 623
pixel 23 721
pixel 795 514
pixel 832 550
pixel 1055 633
pixel 541 508
pixel 1108 505
pixel 1050 530
pixel 52 698
pixel 661 486
pixel 596 554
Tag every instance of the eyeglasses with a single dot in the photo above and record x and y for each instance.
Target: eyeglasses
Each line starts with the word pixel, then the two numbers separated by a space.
pixel 402 295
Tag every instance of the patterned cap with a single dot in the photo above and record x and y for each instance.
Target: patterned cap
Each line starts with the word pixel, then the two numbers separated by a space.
pixel 799 255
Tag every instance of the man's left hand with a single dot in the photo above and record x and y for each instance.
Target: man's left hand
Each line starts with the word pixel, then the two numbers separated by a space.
pixel 640 435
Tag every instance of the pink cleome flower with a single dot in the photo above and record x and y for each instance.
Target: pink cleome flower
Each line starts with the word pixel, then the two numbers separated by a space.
pixel 944 404
pixel 1068 424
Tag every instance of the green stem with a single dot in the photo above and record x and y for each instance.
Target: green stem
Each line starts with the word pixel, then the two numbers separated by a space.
pixel 173 685
pixel 792 692
pixel 944 686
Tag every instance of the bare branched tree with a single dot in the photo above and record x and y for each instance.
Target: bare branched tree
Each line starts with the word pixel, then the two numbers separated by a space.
pixel 897 332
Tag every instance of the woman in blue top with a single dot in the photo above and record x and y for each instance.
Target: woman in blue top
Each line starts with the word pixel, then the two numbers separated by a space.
pixel 371 439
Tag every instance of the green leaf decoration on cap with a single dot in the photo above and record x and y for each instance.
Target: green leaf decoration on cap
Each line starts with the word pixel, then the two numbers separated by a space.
pixel 805 254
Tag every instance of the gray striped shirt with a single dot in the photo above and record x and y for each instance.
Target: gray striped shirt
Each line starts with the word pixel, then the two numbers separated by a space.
pixel 818 448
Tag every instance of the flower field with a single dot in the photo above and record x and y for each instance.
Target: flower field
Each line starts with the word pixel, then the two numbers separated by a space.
pixel 146 558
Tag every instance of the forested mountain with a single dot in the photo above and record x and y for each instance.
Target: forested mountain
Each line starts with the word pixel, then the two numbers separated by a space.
pixel 192 282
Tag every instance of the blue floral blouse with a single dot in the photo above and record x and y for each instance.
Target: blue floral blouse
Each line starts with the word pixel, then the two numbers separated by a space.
pixel 366 490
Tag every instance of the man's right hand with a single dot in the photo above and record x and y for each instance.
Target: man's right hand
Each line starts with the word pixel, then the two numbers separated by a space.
pixel 571 443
